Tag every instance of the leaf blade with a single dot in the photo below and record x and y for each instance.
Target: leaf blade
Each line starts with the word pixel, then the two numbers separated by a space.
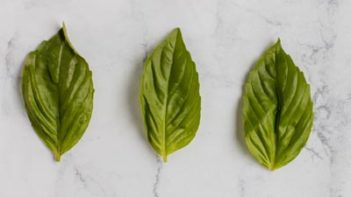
pixel 51 75
pixel 277 109
pixel 170 98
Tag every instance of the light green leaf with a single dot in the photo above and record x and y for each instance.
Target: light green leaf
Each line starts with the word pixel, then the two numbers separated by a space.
pixel 58 93
pixel 277 109
pixel 170 98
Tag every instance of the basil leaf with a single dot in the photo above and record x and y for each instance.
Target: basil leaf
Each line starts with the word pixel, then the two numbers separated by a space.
pixel 58 93
pixel 277 109
pixel 170 98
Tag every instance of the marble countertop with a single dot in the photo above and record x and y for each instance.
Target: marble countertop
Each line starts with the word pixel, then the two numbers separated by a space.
pixel 225 37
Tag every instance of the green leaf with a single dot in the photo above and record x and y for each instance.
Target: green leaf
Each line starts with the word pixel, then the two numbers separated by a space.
pixel 170 98
pixel 58 93
pixel 277 109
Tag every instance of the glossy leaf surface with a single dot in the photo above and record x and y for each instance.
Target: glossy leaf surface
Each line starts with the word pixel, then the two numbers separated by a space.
pixel 58 93
pixel 170 98
pixel 277 109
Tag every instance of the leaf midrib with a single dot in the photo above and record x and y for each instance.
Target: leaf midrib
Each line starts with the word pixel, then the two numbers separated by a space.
pixel 165 110
pixel 59 151
pixel 278 111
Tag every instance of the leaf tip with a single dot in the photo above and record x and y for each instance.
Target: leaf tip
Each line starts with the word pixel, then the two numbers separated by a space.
pixel 65 34
pixel 64 30
pixel 64 25
pixel 278 42
pixel 176 31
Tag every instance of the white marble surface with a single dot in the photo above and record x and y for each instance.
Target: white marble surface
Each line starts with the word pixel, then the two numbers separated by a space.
pixel 225 37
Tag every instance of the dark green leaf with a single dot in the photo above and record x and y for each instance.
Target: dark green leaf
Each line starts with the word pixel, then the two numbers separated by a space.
pixel 58 93
pixel 170 98
pixel 277 109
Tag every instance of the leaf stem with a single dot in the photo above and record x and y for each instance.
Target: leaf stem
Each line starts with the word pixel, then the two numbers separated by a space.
pixel 57 156
pixel 164 157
